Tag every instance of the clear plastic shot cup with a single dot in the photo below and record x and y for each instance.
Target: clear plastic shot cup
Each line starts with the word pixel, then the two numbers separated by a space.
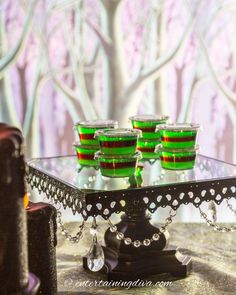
pixel 86 130
pixel 119 141
pixel 147 124
pixel 177 159
pixel 178 135
pixel 118 166
pixel 85 154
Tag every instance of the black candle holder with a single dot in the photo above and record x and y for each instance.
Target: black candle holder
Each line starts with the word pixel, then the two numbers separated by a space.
pixel 14 275
pixel 42 241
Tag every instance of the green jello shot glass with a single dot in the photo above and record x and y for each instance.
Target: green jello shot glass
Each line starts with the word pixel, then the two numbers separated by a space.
pixel 119 141
pixel 177 159
pixel 115 166
pixel 87 129
pixel 147 148
pixel 178 135
pixel 147 124
pixel 85 154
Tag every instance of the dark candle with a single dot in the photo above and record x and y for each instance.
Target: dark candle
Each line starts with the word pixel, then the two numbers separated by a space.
pixel 42 245
pixel 14 275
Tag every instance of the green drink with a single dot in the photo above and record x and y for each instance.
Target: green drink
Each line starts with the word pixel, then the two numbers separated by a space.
pixel 178 136
pixel 85 155
pixel 87 129
pixel 147 124
pixel 118 141
pixel 118 166
pixel 177 159
pixel 147 148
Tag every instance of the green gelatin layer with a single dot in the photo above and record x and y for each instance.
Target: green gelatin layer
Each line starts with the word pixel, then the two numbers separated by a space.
pixel 124 172
pixel 86 130
pixel 123 146
pixel 178 139
pixel 123 166
pixel 147 124
pixel 147 148
pixel 86 135
pixel 178 135
pixel 85 155
pixel 177 160
pixel 118 142
pixel 118 167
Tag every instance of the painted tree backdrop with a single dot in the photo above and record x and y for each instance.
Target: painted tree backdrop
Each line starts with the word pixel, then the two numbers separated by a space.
pixel 63 61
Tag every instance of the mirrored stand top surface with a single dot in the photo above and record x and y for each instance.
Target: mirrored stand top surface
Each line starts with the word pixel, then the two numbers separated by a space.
pixel 68 171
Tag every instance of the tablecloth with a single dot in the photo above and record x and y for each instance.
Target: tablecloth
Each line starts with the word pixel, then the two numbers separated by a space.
pixel 213 259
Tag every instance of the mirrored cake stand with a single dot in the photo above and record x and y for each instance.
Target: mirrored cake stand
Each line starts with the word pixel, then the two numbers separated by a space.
pixel 87 192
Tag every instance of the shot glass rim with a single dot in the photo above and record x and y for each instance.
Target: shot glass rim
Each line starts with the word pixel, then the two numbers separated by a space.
pixel 137 155
pixel 178 127
pixel 159 148
pixel 119 132
pixel 149 118
pixel 99 123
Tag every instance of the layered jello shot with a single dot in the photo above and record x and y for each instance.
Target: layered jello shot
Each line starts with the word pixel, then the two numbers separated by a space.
pixel 86 130
pixel 178 135
pixel 118 141
pixel 147 148
pixel 85 154
pixel 117 165
pixel 177 159
pixel 147 124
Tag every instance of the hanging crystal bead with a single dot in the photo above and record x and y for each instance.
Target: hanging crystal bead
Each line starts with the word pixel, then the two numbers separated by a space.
pixel 113 229
pixel 93 231
pixel 95 258
pixel 137 243
pixel 212 215
pixel 146 242
pixel 127 241
pixel 156 237
pixel 120 236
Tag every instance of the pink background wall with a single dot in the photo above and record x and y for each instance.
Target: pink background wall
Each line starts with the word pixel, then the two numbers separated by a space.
pixel 31 98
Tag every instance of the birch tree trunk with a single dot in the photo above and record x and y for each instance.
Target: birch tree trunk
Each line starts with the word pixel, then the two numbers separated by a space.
pixel 8 112
pixel 116 68
pixel 161 102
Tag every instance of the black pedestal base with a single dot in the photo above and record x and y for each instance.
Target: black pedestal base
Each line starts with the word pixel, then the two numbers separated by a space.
pixel 131 267
pixel 129 263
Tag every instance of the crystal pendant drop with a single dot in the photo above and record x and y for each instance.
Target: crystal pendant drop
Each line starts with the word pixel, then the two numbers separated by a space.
pixel 95 258
pixel 212 214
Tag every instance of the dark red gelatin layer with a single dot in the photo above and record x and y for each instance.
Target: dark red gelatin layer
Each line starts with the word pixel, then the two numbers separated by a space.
pixel 85 157
pixel 146 129
pixel 178 139
pixel 178 159
pixel 115 144
pixel 107 165
pixel 86 136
